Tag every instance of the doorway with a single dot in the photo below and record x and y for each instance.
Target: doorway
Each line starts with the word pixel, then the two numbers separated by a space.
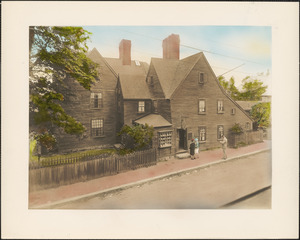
pixel 182 139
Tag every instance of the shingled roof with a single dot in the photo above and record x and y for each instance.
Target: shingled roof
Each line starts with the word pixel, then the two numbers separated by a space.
pixel 154 120
pixel 171 72
pixel 116 66
pixel 134 87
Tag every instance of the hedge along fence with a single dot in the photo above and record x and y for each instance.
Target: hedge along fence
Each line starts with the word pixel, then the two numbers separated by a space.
pixel 41 177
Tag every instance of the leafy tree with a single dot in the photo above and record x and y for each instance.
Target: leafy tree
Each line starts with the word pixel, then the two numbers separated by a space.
pixel 229 87
pixel 136 137
pixel 260 112
pixel 55 55
pixel 253 89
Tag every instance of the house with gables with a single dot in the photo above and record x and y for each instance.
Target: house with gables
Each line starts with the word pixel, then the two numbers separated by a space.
pixel 181 98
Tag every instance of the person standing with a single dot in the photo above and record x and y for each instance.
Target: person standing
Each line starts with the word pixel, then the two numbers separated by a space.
pixel 192 149
pixel 224 146
pixel 196 148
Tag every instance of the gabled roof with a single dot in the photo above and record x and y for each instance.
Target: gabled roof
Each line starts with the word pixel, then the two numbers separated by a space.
pixel 154 120
pixel 171 72
pixel 132 77
pixel 133 69
pixel 116 66
pixel 134 87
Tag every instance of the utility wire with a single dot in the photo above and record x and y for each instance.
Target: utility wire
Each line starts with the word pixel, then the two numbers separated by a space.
pixel 194 48
pixel 231 70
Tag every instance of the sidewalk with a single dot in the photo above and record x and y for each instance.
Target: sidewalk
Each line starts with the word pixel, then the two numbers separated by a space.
pixel 50 197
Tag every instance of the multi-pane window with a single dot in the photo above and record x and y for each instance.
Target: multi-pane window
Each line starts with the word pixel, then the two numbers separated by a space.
pixel 202 106
pixel 220 106
pixel 201 78
pixel 97 127
pixel 96 100
pixel 220 131
pixel 141 107
pixel 202 134
pixel 165 139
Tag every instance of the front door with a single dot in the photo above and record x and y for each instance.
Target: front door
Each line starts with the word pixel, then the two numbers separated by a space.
pixel 182 139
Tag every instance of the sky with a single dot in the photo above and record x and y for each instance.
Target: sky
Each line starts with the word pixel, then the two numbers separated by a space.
pixel 232 51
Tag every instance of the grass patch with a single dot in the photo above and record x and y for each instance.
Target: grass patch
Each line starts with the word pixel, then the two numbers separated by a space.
pixel 76 155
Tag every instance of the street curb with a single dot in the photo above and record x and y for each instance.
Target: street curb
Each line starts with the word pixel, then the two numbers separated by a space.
pixel 141 182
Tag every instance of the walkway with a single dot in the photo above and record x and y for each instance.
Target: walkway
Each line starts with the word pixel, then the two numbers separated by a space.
pixel 51 197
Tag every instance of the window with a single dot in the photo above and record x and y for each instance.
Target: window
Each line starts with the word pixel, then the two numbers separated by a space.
pixel 165 139
pixel 220 131
pixel 202 106
pixel 96 100
pixel 202 134
pixel 149 80
pixel 155 106
pixel 201 78
pixel 141 107
pixel 220 106
pixel 233 111
pixel 97 127
pixel 247 126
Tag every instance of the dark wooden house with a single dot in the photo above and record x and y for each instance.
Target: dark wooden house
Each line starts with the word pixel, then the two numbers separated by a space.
pixel 181 98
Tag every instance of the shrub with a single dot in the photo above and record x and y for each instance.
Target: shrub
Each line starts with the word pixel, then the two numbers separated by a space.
pixel 237 129
pixel 137 137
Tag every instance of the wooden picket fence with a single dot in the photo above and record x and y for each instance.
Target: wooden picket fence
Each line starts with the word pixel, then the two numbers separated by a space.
pixel 68 172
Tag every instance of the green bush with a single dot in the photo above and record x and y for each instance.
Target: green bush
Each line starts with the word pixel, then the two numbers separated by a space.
pixel 236 129
pixel 136 137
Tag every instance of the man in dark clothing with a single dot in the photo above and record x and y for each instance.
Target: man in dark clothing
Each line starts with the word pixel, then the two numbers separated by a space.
pixel 192 149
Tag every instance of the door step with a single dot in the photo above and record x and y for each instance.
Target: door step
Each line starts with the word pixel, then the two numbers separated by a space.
pixel 183 155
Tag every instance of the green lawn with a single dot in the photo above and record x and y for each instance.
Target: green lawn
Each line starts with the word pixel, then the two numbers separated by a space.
pixel 78 155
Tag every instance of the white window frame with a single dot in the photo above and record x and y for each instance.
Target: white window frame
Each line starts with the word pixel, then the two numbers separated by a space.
pixel 141 106
pixel 220 106
pixel 165 138
pixel 202 111
pixel 202 130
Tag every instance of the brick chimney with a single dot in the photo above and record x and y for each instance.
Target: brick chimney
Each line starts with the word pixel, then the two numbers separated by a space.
pixel 171 47
pixel 125 51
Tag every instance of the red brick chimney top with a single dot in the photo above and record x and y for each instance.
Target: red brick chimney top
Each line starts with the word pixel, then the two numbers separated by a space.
pixel 171 47
pixel 125 52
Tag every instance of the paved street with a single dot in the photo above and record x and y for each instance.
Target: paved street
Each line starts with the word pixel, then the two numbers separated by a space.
pixel 206 188
pixel 261 200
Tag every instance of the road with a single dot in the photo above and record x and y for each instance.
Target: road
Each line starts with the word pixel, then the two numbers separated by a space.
pixel 261 200
pixel 207 188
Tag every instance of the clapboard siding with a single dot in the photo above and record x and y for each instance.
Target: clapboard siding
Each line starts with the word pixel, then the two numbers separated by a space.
pixel 78 106
pixel 131 110
pixel 184 105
